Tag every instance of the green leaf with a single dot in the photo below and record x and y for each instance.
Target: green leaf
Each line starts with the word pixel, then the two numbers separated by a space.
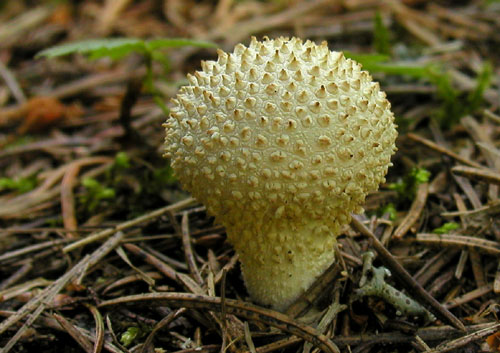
pixel 160 43
pixel 407 187
pixel 389 209
pixel 95 193
pixel 21 185
pixel 380 63
pixel 91 183
pixel 367 59
pixel 164 176
pixel 117 48
pixel 130 335
pixel 420 175
pixel 446 228
pixel 106 193
pixel 122 160
pixel 7 183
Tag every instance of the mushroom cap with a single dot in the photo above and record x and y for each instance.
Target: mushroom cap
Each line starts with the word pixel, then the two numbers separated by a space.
pixel 281 128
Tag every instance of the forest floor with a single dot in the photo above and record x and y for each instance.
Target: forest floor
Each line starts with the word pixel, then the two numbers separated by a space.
pixel 101 250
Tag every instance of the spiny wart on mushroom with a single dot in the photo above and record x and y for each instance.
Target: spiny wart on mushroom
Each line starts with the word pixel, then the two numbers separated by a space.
pixel 281 140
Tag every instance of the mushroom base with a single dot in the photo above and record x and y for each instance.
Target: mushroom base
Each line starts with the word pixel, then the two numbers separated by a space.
pixel 280 261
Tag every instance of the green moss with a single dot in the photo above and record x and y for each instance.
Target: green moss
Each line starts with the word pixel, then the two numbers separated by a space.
pixel 407 187
pixel 446 228
pixel 389 209
pixel 122 160
pixel 131 334
pixel 20 185
pixel 95 193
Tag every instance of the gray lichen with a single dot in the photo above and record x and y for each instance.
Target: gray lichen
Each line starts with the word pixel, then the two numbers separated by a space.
pixel 373 283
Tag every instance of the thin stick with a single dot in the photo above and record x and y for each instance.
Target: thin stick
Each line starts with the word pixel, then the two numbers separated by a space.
pixel 483 245
pixel 442 150
pixel 462 341
pixel 164 268
pixel 167 320
pixel 188 250
pixel 12 83
pixel 280 344
pixel 32 248
pixel 16 276
pixel 73 332
pixel 414 213
pixel 99 330
pixel 10 32
pixel 467 297
pixel 68 200
pixel 496 282
pixel 481 174
pixel 428 334
pixel 128 224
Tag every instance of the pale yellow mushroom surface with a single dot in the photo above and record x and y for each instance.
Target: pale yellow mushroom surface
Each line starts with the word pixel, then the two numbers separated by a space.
pixel 281 140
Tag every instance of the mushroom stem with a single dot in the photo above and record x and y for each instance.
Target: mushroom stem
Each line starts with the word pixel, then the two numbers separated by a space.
pixel 277 268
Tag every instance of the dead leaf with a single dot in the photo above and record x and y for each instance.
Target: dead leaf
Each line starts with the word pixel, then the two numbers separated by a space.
pixel 494 341
pixel 62 15
pixel 43 112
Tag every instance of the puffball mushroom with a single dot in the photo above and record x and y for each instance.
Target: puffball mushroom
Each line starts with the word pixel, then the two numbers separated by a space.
pixel 281 141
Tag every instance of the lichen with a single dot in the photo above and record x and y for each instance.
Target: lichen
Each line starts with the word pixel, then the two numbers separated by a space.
pixel 373 283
